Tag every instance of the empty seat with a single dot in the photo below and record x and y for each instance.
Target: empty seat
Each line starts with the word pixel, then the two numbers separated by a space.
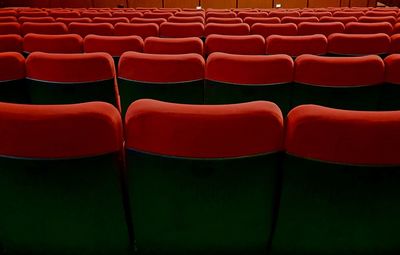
pixel 33 14
pixel 10 28
pixel 128 14
pixel 60 179
pixel 91 14
pixel 186 19
pixel 396 28
pixel 297 45
pixel 7 13
pixel 143 30
pixel 11 42
pixel 84 29
pixel 68 43
pixel 281 14
pixel 113 45
pixel 359 44
pixel 180 30
pixel 226 29
pixel 341 82
pixel 67 21
pixel 395 43
pixel 381 13
pixel 112 21
pixel 344 20
pixel 310 28
pixel 155 15
pixel 235 44
pixel 12 78
pixel 391 89
pixel 71 78
pixel 355 14
pixel 224 20
pixel 36 19
pixel 234 78
pixel 156 45
pixel 55 28
pixel 340 183
pixel 220 15
pixel 274 29
pixel 298 20
pixel 157 21
pixel 64 14
pixel 368 19
pixel 369 28
pixel 253 20
pixel 247 14
pixel 8 19
pixel 215 167
pixel 190 14
pixel 166 77
pixel 316 14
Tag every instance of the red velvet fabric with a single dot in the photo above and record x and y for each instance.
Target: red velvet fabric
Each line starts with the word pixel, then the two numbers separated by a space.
pixel 54 28
pixel 326 28
pixel 227 29
pixel 11 43
pixel 10 28
pixel 143 30
pixel 24 19
pixel 298 20
pixel 113 45
pixel 155 15
pixel 12 66
pixel 157 45
pixel 181 30
pixel 369 28
pixel 186 19
pixel 84 29
pixel 252 20
pixel 297 45
pixel 157 21
pixel 67 21
pixel 359 44
pixel 281 14
pixel 204 131
pixel 343 136
pixel 266 30
pixel 392 64
pixel 235 44
pixel 111 21
pixel 68 43
pixel 368 19
pixel 344 20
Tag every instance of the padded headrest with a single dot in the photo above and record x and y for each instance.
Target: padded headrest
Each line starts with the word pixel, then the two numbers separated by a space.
pixel 344 20
pixel 59 131
pixel 10 28
pixel 220 14
pixel 143 30
pixel 327 28
pixel 11 42
pixel 8 19
pixel 227 29
pixel 317 14
pixel 157 45
pixel 33 13
pixel 155 15
pixel 88 67
pixel 245 14
pixel 84 29
pixel 67 21
pixel 5 12
pixel 253 20
pixel 68 43
pixel 368 19
pixel 281 14
pixel 170 29
pixel 343 136
pixel 113 45
pixel 36 19
pixel 249 69
pixel 54 28
pixel 369 28
pixel 392 63
pixel 383 13
pixel 93 14
pixel 359 44
pixel 112 21
pixel 12 66
pixel 235 44
pixel 161 68
pixel 297 45
pixel 224 20
pixel 204 131
pixel 298 20
pixel 186 19
pixel 355 14
pixel 266 30
pixel 157 21
pixel 190 14
pixel 339 71
pixel 128 14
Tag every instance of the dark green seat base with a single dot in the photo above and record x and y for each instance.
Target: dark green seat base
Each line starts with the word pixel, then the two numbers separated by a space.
pixel 14 92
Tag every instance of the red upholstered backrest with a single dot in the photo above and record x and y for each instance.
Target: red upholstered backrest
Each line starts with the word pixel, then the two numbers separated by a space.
pixel 156 45
pixel 157 21
pixel 266 30
pixel 247 14
pixel 64 14
pixel 67 21
pixel 11 42
pixel 180 30
pixel 235 44
pixel 8 19
pixel 93 14
pixel 339 71
pixel 112 21
pixel 369 28
pixel 186 19
pixel 242 69
pixel 281 14
pixel 344 20
pixel 224 20
pixel 130 15
pixel 33 14
pixel 24 19
pixel 317 14
pixel 296 45
pixel 220 14
pixel 88 67
pixel 10 28
pixel 254 20
pixel 204 131
pixel 54 28
pixel 368 19
pixel 113 45
pixel 343 136
pixel 12 66
pixel 155 15
pixel 327 28
pixel 355 14
pixel 298 20
pixel 359 44
pixel 395 43
pixel 59 131
pixel 190 14
pixel 68 43
pixel 392 64
pixel 227 29
pixel 84 29
pixel 5 12
pixel 161 68
pixel 381 13
pixel 143 30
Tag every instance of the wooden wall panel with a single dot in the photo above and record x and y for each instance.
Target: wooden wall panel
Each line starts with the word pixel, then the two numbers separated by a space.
pixel 108 3
pixel 145 3
pixel 255 3
pixel 218 4
pixel 71 3
pixel 181 3
pixel 358 3
pixel 291 3
pixel 345 3
pixel 325 3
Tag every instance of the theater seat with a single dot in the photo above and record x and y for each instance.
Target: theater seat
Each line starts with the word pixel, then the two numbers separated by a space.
pixel 359 44
pixel 369 28
pixel 391 89
pixel 68 43
pixel 68 21
pixel 60 173
pixel 11 42
pixel 181 30
pixel 167 77
pixel 343 20
pixel 235 44
pixel 111 21
pixel 84 29
pixel 71 78
pixel 24 19
pixel 143 30
pixel 234 78
pixel 7 28
pixel 368 19
pixel 157 21
pixel 298 20
pixel 253 20
pixel 12 78
pixel 325 28
pixel 297 45
pixel 266 30
pixel 8 19
pixel 226 29
pixel 224 20
pixel 186 19
pixel 156 45
pixel 55 28
pixel 340 183
pixel 211 172
pixel 352 83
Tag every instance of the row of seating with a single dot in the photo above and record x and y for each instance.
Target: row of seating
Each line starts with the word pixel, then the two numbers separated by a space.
pixel 335 44
pixel 363 83
pixel 199 179
pixel 180 30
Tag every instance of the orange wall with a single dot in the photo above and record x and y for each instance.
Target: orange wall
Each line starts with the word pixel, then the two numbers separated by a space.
pixel 218 3
pixel 291 3
pixel 255 3
pixel 325 3
pixel 181 3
